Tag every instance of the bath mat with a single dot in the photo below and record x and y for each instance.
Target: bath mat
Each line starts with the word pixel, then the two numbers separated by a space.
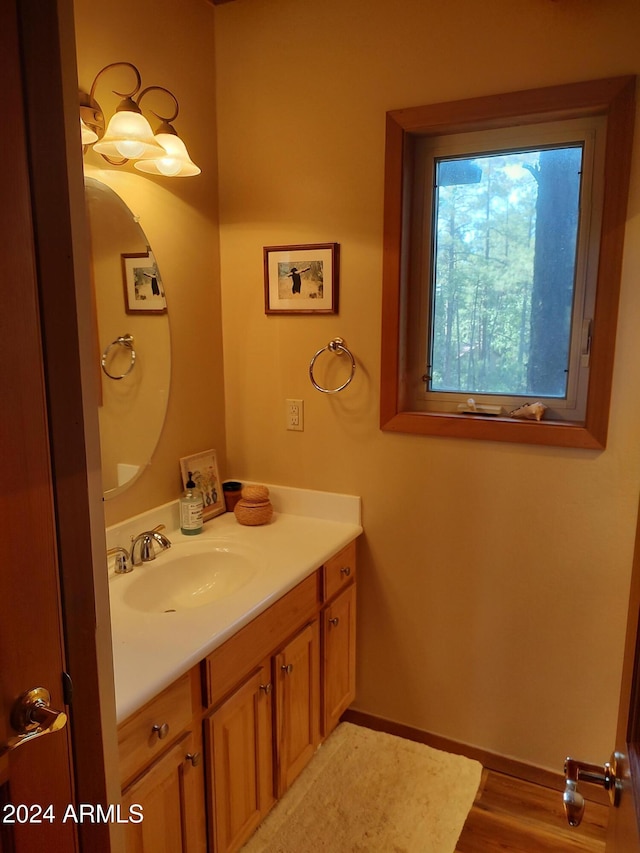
pixel 370 791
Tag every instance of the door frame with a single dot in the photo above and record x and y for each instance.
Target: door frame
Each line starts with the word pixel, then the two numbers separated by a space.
pixel 624 821
pixel 49 71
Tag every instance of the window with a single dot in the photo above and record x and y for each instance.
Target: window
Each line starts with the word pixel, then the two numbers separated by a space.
pixel 494 211
pixel 505 281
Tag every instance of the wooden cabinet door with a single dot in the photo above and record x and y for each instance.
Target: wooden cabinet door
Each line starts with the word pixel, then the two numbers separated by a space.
pixel 297 680
pixel 338 657
pixel 239 737
pixel 169 796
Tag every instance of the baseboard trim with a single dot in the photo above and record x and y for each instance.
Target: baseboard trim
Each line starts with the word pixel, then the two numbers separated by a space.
pixel 489 760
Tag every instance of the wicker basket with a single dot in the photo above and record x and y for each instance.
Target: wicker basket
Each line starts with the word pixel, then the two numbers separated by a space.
pixel 254 507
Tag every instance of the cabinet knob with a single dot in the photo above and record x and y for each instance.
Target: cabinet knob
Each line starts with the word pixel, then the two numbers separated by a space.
pixel 194 757
pixel 162 731
pixel 334 621
pixel 346 571
pixel 266 688
pixel 287 668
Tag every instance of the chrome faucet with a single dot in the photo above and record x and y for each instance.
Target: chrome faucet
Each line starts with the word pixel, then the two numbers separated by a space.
pixel 147 542
pixel 142 550
pixel 123 560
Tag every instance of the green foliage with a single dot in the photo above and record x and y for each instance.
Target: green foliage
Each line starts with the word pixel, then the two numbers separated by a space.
pixel 489 269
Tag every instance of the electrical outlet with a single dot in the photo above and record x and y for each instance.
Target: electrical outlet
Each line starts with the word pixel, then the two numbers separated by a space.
pixel 295 415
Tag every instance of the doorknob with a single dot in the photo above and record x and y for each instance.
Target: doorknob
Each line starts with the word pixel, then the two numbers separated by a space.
pixel 32 716
pixel 598 774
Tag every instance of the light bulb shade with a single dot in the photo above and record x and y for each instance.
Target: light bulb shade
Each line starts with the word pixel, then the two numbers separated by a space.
pixel 87 136
pixel 129 135
pixel 173 163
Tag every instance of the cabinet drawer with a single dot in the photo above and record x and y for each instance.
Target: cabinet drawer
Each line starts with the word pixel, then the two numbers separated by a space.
pixel 151 729
pixel 339 571
pixel 229 664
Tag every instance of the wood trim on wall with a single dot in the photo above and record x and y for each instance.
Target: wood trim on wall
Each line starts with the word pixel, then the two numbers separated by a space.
pixel 614 98
pixel 623 827
pixel 489 760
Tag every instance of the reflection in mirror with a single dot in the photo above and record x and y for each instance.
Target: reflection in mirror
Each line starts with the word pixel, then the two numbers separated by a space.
pixel 133 342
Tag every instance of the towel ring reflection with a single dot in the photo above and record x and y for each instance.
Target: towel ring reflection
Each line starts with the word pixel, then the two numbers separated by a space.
pixel 123 341
pixel 337 346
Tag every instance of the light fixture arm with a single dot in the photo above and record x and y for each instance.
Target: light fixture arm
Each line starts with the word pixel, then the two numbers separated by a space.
pixel 130 94
pixel 163 119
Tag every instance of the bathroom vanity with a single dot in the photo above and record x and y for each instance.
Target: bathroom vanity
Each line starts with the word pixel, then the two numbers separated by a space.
pixel 208 754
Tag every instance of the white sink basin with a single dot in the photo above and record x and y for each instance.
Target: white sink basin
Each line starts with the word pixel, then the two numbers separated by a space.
pixel 191 575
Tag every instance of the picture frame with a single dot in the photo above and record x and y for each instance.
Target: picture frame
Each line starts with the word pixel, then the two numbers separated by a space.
pixel 204 468
pixel 301 279
pixel 143 288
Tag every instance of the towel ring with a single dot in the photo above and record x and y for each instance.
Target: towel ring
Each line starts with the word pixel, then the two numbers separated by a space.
pixel 337 346
pixel 123 341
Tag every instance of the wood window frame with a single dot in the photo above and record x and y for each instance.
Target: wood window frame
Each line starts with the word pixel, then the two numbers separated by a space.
pixel 613 98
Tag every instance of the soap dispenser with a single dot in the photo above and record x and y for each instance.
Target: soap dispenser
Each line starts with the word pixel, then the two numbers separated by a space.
pixel 191 505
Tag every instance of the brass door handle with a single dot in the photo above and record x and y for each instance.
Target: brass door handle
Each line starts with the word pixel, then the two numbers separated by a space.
pixel 31 717
pixel 287 668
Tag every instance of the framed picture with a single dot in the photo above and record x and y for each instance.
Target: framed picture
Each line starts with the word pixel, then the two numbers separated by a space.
pixel 301 279
pixel 143 289
pixel 204 473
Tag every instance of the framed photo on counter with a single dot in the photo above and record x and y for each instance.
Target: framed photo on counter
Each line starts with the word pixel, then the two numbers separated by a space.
pixel 204 473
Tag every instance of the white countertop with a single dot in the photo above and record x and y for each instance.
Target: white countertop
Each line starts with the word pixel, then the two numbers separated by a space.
pixel 151 650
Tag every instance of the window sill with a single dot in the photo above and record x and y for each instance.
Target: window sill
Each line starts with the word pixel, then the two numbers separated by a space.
pixel 487 428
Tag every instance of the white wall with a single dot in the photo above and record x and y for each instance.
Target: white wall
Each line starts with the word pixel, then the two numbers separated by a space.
pixel 494 577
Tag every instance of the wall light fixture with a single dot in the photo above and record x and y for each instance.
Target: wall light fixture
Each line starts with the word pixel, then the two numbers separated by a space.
pixel 88 136
pixel 128 135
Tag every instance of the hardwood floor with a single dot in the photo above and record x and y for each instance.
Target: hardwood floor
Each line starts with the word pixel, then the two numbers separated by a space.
pixel 511 815
pixel 521 817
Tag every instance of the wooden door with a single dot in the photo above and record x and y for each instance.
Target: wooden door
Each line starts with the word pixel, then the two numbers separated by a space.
pixel 624 821
pixel 338 657
pixel 239 737
pixel 37 774
pixel 43 475
pixel 297 681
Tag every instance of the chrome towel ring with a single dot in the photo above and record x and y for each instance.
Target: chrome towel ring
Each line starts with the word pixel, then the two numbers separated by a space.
pixel 337 346
pixel 123 341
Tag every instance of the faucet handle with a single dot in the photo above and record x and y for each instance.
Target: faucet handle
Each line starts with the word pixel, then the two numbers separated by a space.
pixel 158 537
pixel 122 562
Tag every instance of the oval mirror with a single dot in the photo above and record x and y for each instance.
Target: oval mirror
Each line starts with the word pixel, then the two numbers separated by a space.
pixel 133 349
